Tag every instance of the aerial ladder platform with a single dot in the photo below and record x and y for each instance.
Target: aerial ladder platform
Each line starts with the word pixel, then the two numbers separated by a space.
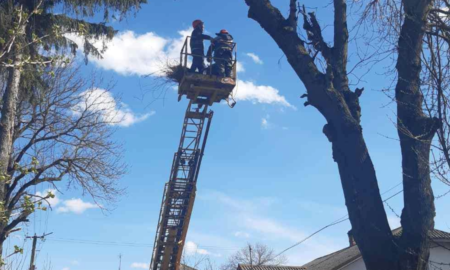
pixel 202 91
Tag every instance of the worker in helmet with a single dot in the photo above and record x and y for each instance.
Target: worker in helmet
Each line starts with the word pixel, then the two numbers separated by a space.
pixel 197 47
pixel 222 50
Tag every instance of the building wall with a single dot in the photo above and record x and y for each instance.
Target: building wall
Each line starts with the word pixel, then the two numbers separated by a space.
pixel 439 260
pixel 356 265
pixel 440 255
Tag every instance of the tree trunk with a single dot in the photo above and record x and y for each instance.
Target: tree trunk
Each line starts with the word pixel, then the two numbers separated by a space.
pixel 6 130
pixel 415 131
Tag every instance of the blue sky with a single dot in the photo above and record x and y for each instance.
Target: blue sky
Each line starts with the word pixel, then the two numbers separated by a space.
pixel 267 175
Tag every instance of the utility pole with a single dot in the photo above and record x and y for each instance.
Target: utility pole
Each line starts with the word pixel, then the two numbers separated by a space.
pixel 120 261
pixel 251 258
pixel 33 250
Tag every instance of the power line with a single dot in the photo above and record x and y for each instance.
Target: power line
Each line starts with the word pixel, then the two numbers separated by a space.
pixel 336 222
pixel 124 244
pixel 148 245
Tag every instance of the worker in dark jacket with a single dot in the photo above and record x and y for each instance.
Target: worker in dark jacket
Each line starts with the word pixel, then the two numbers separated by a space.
pixel 197 47
pixel 222 50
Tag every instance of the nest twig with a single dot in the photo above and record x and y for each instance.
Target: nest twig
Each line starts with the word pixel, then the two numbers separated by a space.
pixel 173 73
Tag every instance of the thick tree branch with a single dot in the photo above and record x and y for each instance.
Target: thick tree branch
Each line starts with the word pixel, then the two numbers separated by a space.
pixel 293 14
pixel 22 218
pixel 271 19
pixel 340 47
pixel 415 131
pixel 314 33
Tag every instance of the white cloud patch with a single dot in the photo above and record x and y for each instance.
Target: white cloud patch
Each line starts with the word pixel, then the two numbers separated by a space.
pixel 66 268
pixel 270 227
pixel 248 91
pixel 140 265
pixel 112 112
pixel 51 201
pixel 254 222
pixel 443 14
pixel 254 205
pixel 191 248
pixel 76 206
pixel 255 58
pixel 240 67
pixel 131 54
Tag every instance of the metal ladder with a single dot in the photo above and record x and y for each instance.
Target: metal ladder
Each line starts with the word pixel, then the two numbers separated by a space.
pixel 179 192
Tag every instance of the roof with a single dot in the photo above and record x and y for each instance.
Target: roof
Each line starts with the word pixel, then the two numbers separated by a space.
pixel 269 267
pixel 347 255
pixel 335 260
pixel 434 234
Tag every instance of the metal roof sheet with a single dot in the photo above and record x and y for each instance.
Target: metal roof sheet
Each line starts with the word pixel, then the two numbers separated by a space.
pixel 269 267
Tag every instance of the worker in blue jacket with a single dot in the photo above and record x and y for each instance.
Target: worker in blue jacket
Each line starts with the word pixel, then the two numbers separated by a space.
pixel 222 50
pixel 197 47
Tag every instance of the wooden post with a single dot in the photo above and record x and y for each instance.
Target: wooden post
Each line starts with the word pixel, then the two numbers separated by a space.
pixel 33 250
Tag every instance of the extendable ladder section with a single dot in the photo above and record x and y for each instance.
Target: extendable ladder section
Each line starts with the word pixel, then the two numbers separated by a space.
pixel 179 192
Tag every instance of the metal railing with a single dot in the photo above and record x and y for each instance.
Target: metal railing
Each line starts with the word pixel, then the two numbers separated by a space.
pixel 185 54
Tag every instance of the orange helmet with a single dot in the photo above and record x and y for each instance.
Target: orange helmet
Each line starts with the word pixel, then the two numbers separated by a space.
pixel 196 23
pixel 223 31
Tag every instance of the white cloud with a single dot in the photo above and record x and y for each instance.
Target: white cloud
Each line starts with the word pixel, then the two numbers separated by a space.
pixel 248 91
pixel 255 58
pixel 238 205
pixel 140 265
pixel 76 206
pixel 52 201
pixel 131 54
pixel 277 233
pixel 191 248
pixel 116 114
pixel 240 67
pixel 66 268
pixel 443 14
pixel 270 227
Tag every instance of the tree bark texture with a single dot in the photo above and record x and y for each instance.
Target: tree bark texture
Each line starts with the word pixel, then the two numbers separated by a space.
pixel 329 93
pixel 8 114
pixel 415 131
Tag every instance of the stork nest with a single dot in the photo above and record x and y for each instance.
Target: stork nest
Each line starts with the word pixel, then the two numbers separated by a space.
pixel 173 73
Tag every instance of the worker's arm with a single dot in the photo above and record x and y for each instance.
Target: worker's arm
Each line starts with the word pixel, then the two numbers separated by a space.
pixel 206 37
pixel 197 34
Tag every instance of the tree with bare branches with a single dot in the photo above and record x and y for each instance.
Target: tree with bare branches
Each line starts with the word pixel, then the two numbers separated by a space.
pixel 30 34
pixel 62 133
pixel 254 254
pixel 328 91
